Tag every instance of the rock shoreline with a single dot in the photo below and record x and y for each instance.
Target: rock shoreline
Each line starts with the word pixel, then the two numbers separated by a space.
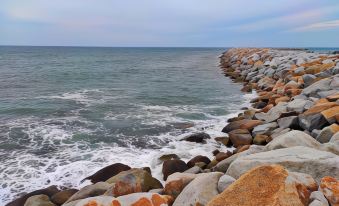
pixel 286 146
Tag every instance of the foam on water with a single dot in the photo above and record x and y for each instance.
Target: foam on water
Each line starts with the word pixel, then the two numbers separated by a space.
pixel 77 160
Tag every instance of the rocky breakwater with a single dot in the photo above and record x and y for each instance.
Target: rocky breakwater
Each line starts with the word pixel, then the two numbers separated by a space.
pixel 281 152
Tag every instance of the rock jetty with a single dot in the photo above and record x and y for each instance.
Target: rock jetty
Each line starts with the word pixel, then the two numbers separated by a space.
pixel 283 151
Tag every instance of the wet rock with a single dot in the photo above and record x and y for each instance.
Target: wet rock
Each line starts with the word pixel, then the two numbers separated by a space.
pixel 241 124
pixel 327 132
pixel 168 157
pixel 223 140
pixel 177 182
pixel 198 137
pixel 224 182
pixel 240 137
pixel 329 186
pixel 289 122
pixel 171 166
pixel 98 188
pixel 298 159
pixel 264 128
pixel 39 200
pixel 107 172
pixel 197 159
pixel 62 196
pixel 266 185
pixel 223 155
pixel 132 181
pixel 199 191
pixel 49 191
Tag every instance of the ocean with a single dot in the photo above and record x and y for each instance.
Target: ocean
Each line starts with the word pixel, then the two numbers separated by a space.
pixel 66 112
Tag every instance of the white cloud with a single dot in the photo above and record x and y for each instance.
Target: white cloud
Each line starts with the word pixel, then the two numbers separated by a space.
pixel 318 26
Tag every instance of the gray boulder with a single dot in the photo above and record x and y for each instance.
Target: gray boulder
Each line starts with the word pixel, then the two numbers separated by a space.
pixel 264 128
pixel 289 122
pixel 296 159
pixel 318 196
pixel 335 137
pixel 224 182
pixel 273 114
pixel 200 190
pixel 312 121
pixel 292 139
pixel 299 105
pixel 308 79
pixel 321 85
pixel 223 165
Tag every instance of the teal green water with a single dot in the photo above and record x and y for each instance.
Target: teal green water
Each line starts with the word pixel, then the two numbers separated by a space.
pixel 66 112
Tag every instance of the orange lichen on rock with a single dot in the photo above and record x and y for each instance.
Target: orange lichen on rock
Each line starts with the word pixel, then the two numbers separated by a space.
pixel 157 200
pixel 116 203
pixel 329 186
pixel 142 202
pixel 92 203
pixel 269 185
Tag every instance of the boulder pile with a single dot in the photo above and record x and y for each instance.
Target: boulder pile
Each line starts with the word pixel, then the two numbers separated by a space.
pixel 283 151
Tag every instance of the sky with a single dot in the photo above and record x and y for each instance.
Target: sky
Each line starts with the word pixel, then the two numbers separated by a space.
pixel 172 23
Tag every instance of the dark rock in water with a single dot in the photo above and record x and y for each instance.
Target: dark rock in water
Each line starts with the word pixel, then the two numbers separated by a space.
pixel 223 155
pixel 107 172
pixel 215 152
pixel 147 169
pixel 49 191
pixel 335 52
pixel 168 157
pixel 197 159
pixel 171 166
pixel 61 197
pixel 132 181
pixel 223 140
pixel 198 137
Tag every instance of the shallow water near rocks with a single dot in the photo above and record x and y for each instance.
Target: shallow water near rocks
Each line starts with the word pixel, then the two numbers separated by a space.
pixel 66 112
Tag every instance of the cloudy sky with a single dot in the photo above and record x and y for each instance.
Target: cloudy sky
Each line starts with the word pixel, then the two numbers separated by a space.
pixel 215 23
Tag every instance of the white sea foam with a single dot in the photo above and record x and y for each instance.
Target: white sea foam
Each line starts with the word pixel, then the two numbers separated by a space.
pixel 73 162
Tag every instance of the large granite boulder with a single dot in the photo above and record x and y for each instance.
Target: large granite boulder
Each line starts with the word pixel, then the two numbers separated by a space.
pixel 198 159
pixel 298 159
pixel 269 185
pixel 264 128
pixel 291 139
pixel 224 182
pixel 321 85
pixel 326 133
pixel 62 196
pixel 289 122
pixel 131 181
pixel 199 191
